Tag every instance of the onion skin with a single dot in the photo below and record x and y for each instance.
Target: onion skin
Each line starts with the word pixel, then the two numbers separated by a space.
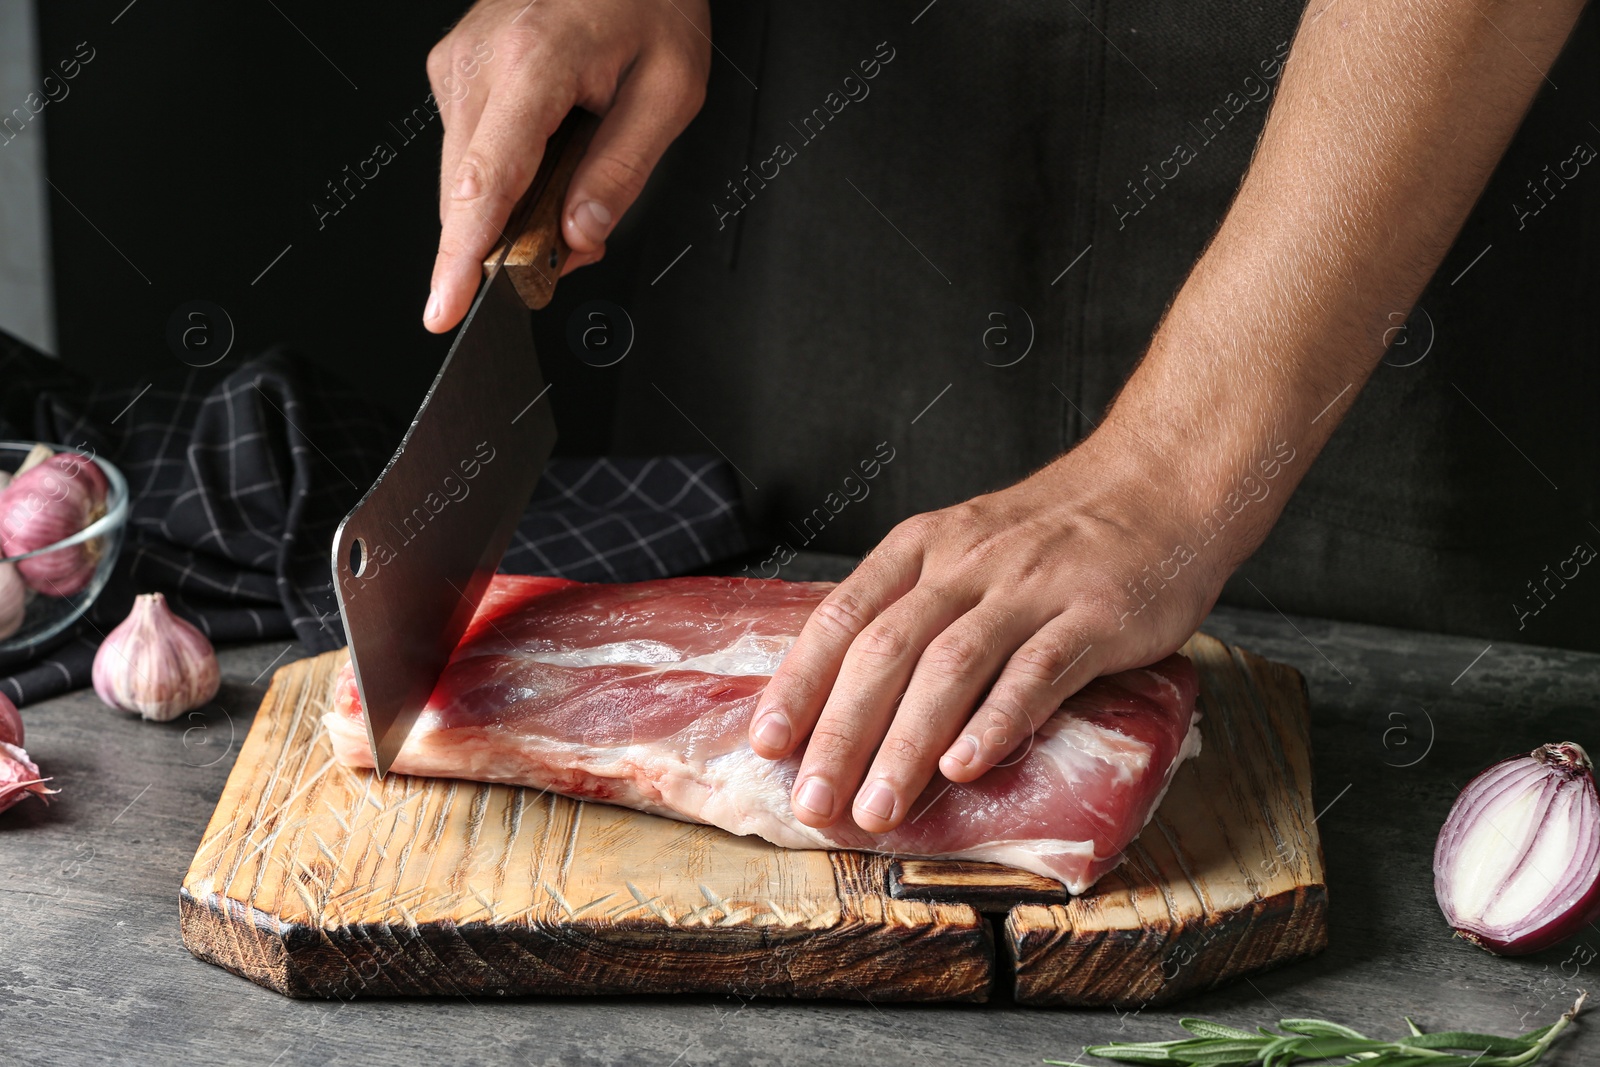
pixel 156 663
pixel 1566 765
pixel 44 504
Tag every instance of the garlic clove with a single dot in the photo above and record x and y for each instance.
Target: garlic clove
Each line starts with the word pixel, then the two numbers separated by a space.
pixel 156 663
pixel 10 722
pixel 50 501
pixel 19 777
pixel 36 455
pixel 13 601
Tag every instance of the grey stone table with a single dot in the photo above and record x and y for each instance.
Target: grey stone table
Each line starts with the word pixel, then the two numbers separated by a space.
pixel 92 968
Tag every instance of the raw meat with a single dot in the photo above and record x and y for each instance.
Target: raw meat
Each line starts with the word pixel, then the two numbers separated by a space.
pixel 641 694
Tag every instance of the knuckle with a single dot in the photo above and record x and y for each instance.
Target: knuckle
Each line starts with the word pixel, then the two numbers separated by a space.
pixel 966 534
pixel 682 79
pixel 1094 614
pixel 883 642
pixel 916 527
pixel 901 749
pixel 496 177
pixel 966 517
pixel 829 743
pixel 693 97
pixel 522 45
pixel 953 656
pixel 1034 567
pixel 1002 722
pixel 1008 745
pixel 1039 663
pixel 475 161
pixel 841 614
pixel 625 174
pixel 438 63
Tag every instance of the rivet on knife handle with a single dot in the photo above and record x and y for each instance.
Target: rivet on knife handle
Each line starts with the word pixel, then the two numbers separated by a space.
pixel 537 248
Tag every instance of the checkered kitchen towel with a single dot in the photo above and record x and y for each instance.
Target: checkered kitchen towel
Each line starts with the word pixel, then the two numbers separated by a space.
pixel 240 477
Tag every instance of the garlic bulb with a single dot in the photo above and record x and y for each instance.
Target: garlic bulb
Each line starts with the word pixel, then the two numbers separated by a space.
pixel 81 469
pixel 19 777
pixel 13 600
pixel 155 663
pixel 45 503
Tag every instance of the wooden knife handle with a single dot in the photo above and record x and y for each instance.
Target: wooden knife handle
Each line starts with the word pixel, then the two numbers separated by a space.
pixel 538 250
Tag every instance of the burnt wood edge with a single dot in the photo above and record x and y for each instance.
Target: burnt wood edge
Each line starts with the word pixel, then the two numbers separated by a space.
pixel 996 896
pixel 1131 969
pixel 949 963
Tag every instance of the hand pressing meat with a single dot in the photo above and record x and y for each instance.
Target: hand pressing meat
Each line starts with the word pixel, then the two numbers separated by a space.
pixel 641 695
pixel 954 643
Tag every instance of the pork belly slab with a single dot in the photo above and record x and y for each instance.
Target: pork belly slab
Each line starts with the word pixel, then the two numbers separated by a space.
pixel 640 694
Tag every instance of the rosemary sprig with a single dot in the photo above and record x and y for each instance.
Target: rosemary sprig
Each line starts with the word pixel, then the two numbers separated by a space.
pixel 1316 1040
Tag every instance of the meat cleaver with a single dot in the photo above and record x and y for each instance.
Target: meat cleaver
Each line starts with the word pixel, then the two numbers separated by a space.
pixel 412 560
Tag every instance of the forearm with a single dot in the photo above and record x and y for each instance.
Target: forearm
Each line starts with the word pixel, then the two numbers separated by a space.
pixel 1390 116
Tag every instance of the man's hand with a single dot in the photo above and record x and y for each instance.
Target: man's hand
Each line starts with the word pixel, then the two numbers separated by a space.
pixel 1390 116
pixel 1009 603
pixel 508 74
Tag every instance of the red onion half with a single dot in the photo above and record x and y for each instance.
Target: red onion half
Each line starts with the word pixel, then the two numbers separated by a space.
pixel 1517 866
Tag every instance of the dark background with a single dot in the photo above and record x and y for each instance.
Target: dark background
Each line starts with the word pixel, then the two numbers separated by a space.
pixel 196 142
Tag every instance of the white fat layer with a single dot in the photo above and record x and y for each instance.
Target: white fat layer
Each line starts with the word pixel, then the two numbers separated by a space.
pixel 1068 862
pixel 757 654
pixel 1075 745
pixel 1078 739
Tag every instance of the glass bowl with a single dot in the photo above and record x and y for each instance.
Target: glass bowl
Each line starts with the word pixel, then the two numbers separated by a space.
pixel 47 615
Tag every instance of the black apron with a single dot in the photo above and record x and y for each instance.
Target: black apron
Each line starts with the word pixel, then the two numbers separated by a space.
pixel 918 261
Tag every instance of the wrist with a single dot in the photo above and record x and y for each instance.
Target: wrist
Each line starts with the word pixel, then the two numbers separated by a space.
pixel 1214 465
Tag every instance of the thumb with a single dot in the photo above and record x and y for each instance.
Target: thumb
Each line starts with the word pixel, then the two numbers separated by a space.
pixel 651 108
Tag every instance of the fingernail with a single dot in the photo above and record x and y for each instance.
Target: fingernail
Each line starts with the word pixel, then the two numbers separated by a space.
pixel 962 752
pixel 773 730
pixel 466 185
pixel 877 800
pixel 816 796
pixel 593 219
pixel 431 312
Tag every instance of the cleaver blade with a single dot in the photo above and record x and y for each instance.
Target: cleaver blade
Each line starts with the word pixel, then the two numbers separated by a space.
pixel 412 560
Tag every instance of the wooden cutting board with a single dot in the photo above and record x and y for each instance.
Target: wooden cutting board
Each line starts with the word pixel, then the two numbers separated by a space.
pixel 320 881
